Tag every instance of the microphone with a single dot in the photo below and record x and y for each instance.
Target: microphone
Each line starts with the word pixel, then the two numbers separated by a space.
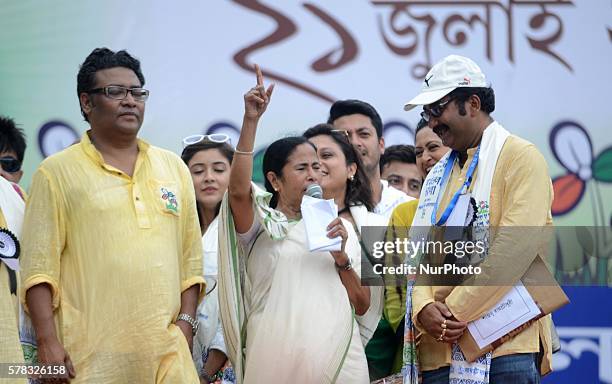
pixel 314 190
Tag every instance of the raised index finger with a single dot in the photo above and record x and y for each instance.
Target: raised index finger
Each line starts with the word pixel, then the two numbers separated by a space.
pixel 259 75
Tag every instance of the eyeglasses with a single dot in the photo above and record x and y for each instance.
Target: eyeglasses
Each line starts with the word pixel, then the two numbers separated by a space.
pixel 214 137
pixel 435 111
pixel 10 164
pixel 118 92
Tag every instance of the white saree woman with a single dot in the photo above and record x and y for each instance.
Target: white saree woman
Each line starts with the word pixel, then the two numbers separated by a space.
pixel 287 313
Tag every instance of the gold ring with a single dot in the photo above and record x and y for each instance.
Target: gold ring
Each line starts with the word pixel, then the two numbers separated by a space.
pixel 441 338
pixel 443 325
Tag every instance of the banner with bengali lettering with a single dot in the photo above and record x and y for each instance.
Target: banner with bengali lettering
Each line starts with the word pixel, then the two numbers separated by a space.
pixel 585 332
pixel 548 61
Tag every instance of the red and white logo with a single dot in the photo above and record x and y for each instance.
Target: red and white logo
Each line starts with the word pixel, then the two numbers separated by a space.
pixel 466 81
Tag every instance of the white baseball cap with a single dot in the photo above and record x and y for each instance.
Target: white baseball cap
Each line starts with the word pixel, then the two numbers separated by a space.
pixel 452 72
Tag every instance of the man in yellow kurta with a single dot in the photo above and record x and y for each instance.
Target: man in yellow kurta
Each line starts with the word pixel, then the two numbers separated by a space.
pixel 111 266
pixel 457 105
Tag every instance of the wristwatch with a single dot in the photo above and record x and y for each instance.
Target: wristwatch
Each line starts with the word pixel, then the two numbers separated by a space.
pixel 345 267
pixel 188 319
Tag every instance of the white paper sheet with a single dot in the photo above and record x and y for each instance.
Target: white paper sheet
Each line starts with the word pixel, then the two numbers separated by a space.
pixel 317 214
pixel 515 309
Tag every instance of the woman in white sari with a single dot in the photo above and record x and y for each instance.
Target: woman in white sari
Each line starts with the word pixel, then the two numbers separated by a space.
pixel 287 313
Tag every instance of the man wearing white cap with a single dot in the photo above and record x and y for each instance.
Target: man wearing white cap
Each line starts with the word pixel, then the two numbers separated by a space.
pixel 491 178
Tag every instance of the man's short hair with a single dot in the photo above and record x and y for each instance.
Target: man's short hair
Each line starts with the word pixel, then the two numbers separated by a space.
pixel 12 138
pixel 104 58
pixel 402 153
pixel 351 107
pixel 485 94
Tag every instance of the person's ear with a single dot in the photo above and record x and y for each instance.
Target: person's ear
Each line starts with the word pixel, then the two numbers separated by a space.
pixel 86 103
pixel 273 179
pixel 381 144
pixel 475 105
pixel 352 171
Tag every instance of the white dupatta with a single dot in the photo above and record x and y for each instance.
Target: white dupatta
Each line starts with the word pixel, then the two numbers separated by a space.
pixel 368 322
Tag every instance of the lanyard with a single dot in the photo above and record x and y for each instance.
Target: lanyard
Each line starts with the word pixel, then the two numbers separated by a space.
pixel 463 189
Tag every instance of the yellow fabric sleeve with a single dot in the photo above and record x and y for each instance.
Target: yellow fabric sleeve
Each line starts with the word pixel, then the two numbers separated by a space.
pixel 399 225
pixel 191 263
pixel 43 221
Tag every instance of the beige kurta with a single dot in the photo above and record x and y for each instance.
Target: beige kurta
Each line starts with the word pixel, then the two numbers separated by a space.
pixel 521 196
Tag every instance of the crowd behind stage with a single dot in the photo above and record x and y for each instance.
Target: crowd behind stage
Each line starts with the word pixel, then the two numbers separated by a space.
pixel 125 263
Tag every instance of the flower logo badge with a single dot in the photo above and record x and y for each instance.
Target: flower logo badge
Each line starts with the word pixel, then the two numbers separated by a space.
pixel 170 199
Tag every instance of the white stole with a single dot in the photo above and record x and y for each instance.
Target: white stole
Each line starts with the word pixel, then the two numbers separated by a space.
pixel 12 206
pixel 368 322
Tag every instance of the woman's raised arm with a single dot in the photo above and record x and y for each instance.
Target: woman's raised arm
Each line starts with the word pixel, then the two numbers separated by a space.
pixel 256 101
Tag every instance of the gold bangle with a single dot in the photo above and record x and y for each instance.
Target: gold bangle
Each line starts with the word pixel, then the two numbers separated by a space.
pixel 238 152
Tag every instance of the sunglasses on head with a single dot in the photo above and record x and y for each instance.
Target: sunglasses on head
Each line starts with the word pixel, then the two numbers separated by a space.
pixel 214 138
pixel 10 164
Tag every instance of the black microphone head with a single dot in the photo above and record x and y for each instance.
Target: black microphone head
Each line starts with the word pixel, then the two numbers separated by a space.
pixel 314 190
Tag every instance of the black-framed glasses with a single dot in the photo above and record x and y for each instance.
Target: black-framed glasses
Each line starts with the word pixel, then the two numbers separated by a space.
pixel 10 164
pixel 118 92
pixel 435 111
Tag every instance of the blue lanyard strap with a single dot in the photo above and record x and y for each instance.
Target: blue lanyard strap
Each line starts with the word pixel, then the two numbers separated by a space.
pixel 463 189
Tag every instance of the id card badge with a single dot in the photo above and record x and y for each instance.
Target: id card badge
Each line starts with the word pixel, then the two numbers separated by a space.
pixel 456 220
